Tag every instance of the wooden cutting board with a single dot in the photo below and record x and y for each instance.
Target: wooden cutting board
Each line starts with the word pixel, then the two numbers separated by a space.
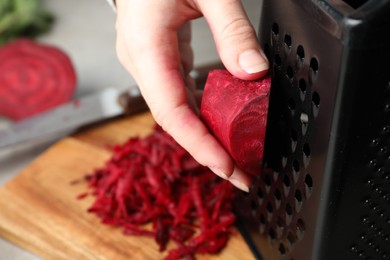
pixel 40 213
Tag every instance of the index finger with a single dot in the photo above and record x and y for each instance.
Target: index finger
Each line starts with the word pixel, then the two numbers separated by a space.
pixel 163 88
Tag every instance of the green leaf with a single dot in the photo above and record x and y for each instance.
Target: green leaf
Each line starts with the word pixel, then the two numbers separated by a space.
pixel 23 18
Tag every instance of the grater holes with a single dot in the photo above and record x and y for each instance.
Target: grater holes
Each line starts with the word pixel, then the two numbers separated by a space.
pixel 294 140
pixel 277 60
pixel 314 65
pixel 267 180
pixel 284 161
pixel 380 171
pixel 291 238
pixel 288 209
pixel 306 154
pixel 280 225
pixel 275 175
pixel 270 210
pixel 291 105
pixel 296 169
pixel 300 53
pixel 354 248
pixel 263 220
pixel 304 122
pixel 316 100
pixel 287 40
pixel 308 185
pixel 253 207
pixel 302 88
pixel 372 163
pixel 298 195
pixel 272 234
pixel 289 212
pixel 275 28
pixel 278 194
pixel 286 184
pixel 313 69
pixel 374 142
pixel 290 72
pixel 282 249
pixel 284 153
pixel 386 108
pixel 300 228
pixel 278 198
pixel 385 130
pixel 260 194
pixel 287 43
pixel 298 200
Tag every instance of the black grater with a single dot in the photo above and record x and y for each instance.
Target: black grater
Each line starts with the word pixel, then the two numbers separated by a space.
pixel 324 192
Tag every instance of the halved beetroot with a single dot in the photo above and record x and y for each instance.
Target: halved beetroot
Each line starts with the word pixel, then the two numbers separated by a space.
pixel 236 111
pixel 33 78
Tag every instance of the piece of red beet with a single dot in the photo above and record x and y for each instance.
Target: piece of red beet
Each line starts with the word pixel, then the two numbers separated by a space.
pixel 236 111
pixel 34 77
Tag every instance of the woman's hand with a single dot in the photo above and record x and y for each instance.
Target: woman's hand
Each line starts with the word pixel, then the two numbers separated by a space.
pixel 153 44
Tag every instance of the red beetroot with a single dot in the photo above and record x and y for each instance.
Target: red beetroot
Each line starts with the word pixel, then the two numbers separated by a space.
pixel 236 112
pixel 33 78
pixel 154 180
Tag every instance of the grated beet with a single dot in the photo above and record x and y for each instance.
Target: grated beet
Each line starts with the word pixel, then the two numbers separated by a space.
pixel 236 111
pixel 34 77
pixel 155 181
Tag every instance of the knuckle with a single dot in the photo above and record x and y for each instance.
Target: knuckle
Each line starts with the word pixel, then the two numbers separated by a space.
pixel 172 117
pixel 238 30
pixel 160 115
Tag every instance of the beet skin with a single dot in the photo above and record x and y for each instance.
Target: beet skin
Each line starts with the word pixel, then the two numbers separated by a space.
pixel 236 111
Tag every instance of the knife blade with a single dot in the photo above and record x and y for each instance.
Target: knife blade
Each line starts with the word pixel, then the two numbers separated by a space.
pixel 68 118
pixel 104 104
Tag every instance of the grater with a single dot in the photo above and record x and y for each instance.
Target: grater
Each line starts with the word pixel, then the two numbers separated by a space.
pixel 324 191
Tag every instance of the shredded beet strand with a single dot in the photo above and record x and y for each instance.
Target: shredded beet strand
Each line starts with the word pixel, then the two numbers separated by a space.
pixel 152 187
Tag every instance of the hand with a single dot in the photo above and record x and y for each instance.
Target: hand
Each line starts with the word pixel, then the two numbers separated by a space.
pixel 153 44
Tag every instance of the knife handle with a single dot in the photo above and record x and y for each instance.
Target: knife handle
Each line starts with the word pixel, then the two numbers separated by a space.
pixel 134 104
pixel 200 73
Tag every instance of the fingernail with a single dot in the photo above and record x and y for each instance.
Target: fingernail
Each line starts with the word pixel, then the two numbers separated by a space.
pixel 219 172
pixel 253 61
pixel 239 185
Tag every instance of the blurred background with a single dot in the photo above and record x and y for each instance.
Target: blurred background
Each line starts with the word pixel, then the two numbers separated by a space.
pixel 84 29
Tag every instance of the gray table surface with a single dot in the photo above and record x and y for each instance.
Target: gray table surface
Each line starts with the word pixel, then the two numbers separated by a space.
pixel 84 29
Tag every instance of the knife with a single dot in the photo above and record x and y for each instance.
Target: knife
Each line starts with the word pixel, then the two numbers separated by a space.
pixel 67 118
pixel 104 104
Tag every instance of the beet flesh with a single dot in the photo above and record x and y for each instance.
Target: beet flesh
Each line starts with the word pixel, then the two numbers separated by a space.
pixel 236 112
pixel 34 77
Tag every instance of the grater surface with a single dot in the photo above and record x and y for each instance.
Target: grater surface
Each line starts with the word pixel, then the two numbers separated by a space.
pixel 324 192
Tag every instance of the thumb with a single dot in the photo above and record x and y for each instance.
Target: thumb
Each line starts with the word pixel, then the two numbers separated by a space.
pixel 235 38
